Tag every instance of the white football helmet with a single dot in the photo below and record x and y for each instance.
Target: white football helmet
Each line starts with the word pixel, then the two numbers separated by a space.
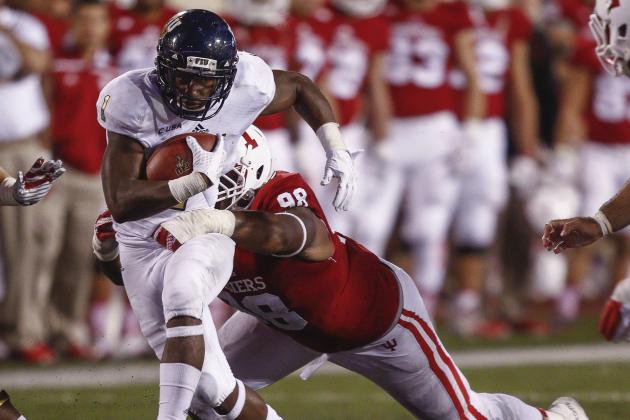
pixel 252 171
pixel 610 26
pixel 360 8
pixel 259 12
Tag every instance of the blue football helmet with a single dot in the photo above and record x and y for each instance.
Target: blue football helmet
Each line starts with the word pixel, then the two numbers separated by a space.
pixel 196 64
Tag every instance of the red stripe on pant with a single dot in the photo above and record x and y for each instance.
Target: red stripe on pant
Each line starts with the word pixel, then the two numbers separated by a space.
pixel 446 359
pixel 434 366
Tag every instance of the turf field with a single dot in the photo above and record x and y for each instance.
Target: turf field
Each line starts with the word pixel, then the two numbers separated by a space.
pixel 604 390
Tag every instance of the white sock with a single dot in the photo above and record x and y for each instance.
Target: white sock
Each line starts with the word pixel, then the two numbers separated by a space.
pixel 21 418
pixel 271 414
pixel 178 382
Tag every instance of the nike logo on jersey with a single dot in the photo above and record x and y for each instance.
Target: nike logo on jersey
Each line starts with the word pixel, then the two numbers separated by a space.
pixel 246 285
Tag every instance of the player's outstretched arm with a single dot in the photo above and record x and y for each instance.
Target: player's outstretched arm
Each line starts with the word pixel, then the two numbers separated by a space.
pixel 295 232
pixel 298 91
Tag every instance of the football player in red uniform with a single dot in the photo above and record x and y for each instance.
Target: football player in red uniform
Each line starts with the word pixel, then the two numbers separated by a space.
pixel 609 24
pixel 317 295
pixel 501 41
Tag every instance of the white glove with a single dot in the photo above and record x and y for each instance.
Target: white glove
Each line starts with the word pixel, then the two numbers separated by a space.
pixel 340 164
pixel 208 163
pixel 29 188
pixel 614 322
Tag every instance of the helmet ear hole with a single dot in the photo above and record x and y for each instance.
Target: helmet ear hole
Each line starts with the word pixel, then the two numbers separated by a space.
pixel 259 172
pixel 622 30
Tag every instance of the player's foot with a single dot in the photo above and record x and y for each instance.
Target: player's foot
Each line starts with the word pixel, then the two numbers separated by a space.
pixel 566 408
pixel 7 411
pixel 40 354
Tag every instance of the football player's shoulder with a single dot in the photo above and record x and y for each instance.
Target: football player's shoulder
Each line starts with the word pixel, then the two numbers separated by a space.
pixel 122 104
pixel 255 77
pixel 285 189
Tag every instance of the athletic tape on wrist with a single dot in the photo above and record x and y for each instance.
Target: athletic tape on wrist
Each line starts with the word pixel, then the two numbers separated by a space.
pixel 98 251
pixel 330 137
pixel 603 222
pixel 238 405
pixel 6 192
pixel 184 331
pixel 304 234
pixel 186 186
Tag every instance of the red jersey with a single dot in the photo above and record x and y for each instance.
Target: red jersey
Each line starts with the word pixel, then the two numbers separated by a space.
pixel 345 302
pixel 495 37
pixel 271 43
pixel 78 138
pixel 133 38
pixel 354 43
pixel 57 29
pixel 421 57
pixel 608 113
pixel 309 39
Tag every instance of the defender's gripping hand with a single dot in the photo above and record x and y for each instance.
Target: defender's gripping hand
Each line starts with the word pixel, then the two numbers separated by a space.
pixel 570 233
pixel 208 163
pixel 31 187
pixel 340 164
pixel 104 241
pixel 614 322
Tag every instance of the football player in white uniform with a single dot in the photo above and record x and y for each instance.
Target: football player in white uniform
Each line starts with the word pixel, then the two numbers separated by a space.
pixel 200 83
pixel 287 276
pixel 609 24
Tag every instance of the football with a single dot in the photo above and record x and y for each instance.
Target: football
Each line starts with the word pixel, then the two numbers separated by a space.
pixel 173 158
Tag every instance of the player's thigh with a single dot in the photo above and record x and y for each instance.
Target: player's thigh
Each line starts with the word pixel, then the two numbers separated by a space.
pixel 411 364
pixel 259 355
pixel 195 275
pixel 430 202
pixel 596 176
pixel 143 271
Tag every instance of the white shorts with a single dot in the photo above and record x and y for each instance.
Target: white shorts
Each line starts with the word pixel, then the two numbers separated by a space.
pixel 483 188
pixel 162 284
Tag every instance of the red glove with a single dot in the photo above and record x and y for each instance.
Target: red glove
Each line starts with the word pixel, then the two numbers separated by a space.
pixel 614 321
pixel 104 241
pixel 166 239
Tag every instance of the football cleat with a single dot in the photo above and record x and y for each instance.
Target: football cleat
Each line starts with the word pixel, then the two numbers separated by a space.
pixel 566 408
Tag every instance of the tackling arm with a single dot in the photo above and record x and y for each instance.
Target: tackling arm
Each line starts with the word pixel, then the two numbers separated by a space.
pixel 295 232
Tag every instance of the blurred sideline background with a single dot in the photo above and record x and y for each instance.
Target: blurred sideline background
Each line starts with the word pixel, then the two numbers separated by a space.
pixel 459 174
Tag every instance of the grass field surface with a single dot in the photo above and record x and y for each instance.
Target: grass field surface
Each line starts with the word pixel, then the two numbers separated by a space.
pixel 603 389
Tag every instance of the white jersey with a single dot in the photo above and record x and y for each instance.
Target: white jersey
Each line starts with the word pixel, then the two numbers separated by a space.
pixel 132 105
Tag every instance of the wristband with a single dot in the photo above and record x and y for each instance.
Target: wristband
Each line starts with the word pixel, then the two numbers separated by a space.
pixel 104 256
pixel 603 222
pixel 6 192
pixel 186 186
pixel 330 137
